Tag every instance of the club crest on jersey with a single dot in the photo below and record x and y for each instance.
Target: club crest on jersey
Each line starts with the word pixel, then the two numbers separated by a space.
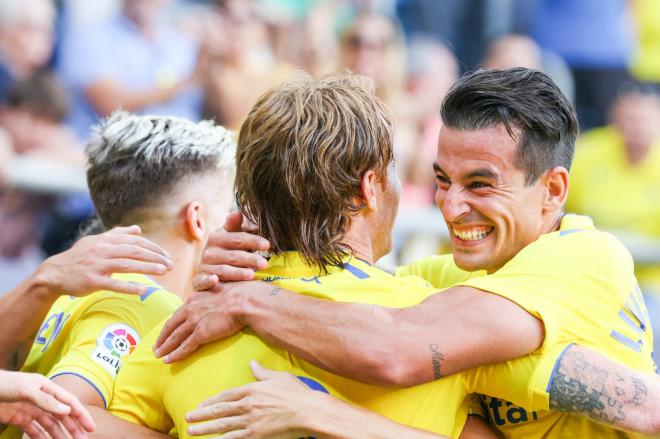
pixel 114 342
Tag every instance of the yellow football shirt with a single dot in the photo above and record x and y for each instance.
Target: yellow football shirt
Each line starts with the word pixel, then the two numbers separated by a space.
pixel 580 282
pixel 90 336
pixel 439 270
pixel 151 393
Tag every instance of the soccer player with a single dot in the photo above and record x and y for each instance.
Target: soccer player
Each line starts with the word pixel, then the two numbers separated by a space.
pixel 174 179
pixel 314 165
pixel 536 279
pixel 84 268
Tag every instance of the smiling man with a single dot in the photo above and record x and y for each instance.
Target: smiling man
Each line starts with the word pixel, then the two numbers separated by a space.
pixel 535 280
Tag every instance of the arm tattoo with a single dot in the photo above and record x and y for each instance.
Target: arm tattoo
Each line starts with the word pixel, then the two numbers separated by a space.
pixel 582 386
pixel 275 291
pixel 436 359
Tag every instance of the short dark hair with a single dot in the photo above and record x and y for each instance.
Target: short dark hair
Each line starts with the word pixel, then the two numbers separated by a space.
pixel 136 162
pixel 521 99
pixel 301 154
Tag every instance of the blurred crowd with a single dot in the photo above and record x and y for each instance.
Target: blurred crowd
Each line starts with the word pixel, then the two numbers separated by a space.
pixel 64 64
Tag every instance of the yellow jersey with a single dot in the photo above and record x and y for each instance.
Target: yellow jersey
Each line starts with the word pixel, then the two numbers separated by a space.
pixel 90 336
pixel 154 394
pixel 438 270
pixel 580 282
pixel 616 194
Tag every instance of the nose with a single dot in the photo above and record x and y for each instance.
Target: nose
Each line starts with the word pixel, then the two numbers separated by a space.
pixel 453 203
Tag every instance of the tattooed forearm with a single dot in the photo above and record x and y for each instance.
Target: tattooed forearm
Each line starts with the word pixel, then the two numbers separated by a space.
pixel 436 360
pixel 583 384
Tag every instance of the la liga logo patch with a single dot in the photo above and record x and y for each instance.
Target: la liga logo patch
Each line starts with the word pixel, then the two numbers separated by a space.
pixel 120 341
pixel 114 342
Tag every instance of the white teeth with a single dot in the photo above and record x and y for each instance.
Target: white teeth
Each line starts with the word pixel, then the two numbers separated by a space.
pixel 472 235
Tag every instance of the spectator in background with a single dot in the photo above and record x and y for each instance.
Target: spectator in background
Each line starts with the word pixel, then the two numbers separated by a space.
pixel 242 64
pixel 26 40
pixel 432 70
pixel 615 179
pixel 596 39
pixel 517 50
pixel 32 118
pixel 134 61
pixel 646 62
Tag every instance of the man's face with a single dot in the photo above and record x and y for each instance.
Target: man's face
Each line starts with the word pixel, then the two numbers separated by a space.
pixel 490 213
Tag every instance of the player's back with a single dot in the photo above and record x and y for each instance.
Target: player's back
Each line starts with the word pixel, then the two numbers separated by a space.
pixel 159 395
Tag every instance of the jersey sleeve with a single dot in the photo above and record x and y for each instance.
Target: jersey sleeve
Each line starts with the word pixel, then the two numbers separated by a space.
pixel 100 339
pixel 524 381
pixel 572 281
pixel 137 395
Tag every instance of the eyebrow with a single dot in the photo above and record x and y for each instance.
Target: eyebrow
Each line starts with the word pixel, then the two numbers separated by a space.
pixel 481 172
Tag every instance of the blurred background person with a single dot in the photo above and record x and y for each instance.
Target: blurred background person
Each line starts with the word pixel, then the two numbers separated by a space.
pixel 136 61
pixel 26 40
pixel 616 180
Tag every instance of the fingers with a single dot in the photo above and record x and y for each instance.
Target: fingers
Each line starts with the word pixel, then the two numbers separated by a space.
pixel 237 241
pixel 120 286
pixel 204 281
pixel 227 273
pixel 171 325
pixel 218 426
pixel 132 230
pixel 137 241
pixel 136 252
pixel 258 371
pixel 73 428
pixel 34 431
pixel 233 222
pixel 78 411
pixel 214 411
pixel 233 394
pixel 51 426
pixel 132 266
pixel 235 258
pixel 187 347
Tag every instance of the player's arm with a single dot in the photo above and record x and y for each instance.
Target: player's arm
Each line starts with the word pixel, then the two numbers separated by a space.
pixel 589 384
pixel 83 269
pixel 112 427
pixel 279 404
pixel 451 331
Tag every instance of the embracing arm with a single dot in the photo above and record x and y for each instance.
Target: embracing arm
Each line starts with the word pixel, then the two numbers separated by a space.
pixel 81 270
pixel 592 385
pixel 112 427
pixel 449 332
pixel 279 405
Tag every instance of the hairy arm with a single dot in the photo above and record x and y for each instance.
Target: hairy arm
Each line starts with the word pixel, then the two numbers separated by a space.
pixel 451 331
pixel 590 384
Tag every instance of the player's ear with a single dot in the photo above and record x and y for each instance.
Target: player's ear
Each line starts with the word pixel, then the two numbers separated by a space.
pixel 195 220
pixel 368 190
pixel 555 181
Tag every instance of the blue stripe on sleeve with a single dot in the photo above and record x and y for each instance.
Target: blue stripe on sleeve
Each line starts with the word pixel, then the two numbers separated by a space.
pixel 87 380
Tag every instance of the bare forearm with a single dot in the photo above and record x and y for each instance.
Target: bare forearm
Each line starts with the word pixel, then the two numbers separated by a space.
pixel 24 309
pixel 112 427
pixel 589 384
pixel 449 332
pixel 364 342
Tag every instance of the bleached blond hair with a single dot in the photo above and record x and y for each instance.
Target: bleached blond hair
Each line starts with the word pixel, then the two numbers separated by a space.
pixel 136 162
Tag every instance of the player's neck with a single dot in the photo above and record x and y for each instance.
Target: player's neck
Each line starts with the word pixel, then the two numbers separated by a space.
pixel 179 279
pixel 359 240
